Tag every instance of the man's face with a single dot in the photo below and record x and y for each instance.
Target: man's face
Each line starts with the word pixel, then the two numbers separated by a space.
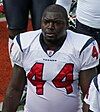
pixel 53 25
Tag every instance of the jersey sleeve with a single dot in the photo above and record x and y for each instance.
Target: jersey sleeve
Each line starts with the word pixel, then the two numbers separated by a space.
pixel 16 53
pixel 93 98
pixel 89 55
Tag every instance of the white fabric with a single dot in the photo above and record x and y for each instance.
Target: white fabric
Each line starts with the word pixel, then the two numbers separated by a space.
pixel 66 62
pixel 1 104
pixel 10 44
pixel 88 12
pixel 94 97
pixel 65 3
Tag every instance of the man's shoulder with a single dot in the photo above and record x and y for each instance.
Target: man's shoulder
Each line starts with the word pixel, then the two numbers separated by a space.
pixel 79 40
pixel 25 39
pixel 30 34
pixel 78 36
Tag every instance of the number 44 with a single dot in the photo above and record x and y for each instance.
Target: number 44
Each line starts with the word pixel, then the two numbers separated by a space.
pixel 65 73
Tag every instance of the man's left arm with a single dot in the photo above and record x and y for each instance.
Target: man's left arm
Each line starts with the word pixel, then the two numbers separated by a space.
pixel 85 78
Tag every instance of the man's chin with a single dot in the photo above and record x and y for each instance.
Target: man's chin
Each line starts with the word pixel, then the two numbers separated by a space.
pixel 51 40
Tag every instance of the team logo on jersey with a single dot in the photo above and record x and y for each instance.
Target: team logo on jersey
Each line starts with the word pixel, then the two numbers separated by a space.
pixel 50 52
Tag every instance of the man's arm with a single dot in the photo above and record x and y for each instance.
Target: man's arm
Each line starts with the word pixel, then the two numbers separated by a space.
pixel 84 79
pixel 14 90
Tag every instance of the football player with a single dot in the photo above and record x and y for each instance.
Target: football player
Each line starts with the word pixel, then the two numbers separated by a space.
pixel 55 63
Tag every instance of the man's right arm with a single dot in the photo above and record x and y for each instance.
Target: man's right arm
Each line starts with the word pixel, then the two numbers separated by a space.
pixel 15 90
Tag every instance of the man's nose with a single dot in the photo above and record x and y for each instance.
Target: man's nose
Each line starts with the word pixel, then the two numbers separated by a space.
pixel 51 24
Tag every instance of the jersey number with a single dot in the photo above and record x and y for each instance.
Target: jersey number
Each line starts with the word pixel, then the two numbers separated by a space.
pixel 64 78
pixel 94 52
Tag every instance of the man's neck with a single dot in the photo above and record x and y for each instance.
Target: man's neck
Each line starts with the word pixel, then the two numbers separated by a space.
pixel 56 44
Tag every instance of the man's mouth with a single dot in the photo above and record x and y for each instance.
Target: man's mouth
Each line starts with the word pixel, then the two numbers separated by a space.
pixel 50 34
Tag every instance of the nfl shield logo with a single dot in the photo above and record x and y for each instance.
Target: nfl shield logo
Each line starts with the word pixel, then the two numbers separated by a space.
pixel 50 52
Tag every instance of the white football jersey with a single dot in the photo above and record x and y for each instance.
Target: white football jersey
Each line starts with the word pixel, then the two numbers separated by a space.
pixel 93 98
pixel 52 77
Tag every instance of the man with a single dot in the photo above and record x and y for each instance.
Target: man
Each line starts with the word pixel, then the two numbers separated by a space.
pixel 88 19
pixel 54 62
pixel 93 98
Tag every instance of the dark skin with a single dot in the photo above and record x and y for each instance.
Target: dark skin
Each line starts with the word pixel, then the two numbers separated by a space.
pixel 15 89
pixel 53 26
pixel 84 81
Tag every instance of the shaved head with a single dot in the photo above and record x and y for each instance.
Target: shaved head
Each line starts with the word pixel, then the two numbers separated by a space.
pixel 56 8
